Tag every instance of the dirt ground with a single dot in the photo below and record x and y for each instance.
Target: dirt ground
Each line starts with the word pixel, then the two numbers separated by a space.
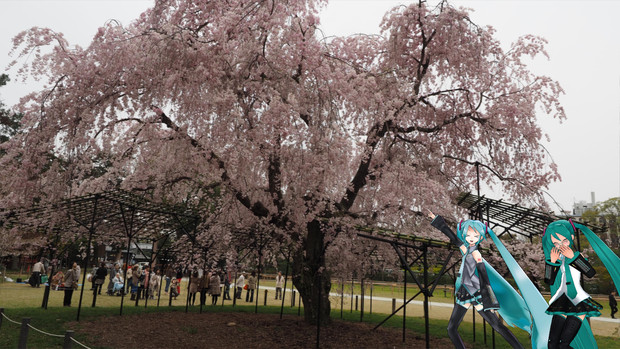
pixel 239 330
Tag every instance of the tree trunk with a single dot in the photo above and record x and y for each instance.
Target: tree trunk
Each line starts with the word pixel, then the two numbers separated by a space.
pixel 310 276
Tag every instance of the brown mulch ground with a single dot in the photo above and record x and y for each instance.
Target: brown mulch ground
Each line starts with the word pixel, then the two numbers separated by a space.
pixel 214 330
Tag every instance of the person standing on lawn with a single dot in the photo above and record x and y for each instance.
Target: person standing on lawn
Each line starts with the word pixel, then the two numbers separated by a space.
pixel 239 284
pixel 71 283
pixel 249 295
pixel 214 287
pixel 99 276
pixel 613 304
pixel 37 269
pixel 279 285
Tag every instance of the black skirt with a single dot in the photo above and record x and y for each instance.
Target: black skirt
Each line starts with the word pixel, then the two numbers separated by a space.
pixel 464 297
pixel 563 306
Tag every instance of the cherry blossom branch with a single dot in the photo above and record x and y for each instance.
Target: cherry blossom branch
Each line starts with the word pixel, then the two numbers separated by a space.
pixel 497 174
pixel 375 134
pixel 256 207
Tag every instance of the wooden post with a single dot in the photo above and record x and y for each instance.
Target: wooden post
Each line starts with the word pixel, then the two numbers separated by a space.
pixel 68 342
pixel 362 304
pixel 299 305
pixel 23 333
pixel 473 320
pixel 393 305
pixel 371 287
pixel 265 299
pixel 341 297
pixel 95 294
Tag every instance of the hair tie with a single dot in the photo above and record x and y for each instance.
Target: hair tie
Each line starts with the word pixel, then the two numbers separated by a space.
pixel 461 222
pixel 573 225
pixel 486 227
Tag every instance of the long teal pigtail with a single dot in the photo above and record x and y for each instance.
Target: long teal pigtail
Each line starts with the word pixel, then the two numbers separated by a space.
pixel 534 301
pixel 610 260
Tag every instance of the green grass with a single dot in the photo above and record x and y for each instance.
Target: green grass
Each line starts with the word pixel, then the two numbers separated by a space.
pixel 21 301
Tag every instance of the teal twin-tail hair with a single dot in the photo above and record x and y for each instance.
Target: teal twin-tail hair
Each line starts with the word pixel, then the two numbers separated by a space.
pixel 461 231
pixel 535 304
pixel 610 260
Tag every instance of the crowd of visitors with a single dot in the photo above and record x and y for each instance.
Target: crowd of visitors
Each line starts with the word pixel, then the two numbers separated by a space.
pixel 142 283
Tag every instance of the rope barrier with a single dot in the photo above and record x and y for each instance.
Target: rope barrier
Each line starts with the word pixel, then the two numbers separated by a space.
pixel 76 342
pixel 45 333
pixel 15 322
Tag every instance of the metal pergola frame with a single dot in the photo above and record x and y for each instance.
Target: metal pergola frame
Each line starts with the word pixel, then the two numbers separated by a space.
pixel 108 211
pixel 512 219
pixel 402 243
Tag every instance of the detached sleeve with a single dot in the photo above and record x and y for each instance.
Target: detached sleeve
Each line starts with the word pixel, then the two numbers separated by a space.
pixel 489 300
pixel 441 225
pixel 582 265
pixel 551 271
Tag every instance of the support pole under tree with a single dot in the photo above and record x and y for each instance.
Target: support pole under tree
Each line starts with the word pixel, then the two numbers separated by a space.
pixel 362 304
pixel 46 293
pixel 426 320
pixel 162 276
pixel 405 294
pixel 285 281
pixel 473 321
pixel 371 287
pixel 260 255
pixel 235 289
pixel 91 230
pixel 95 294
pixel 479 208
pixel 204 281
pixel 128 230
pixel 341 296
pixel 484 330
pixel 352 287
pixel 90 236
pixel 318 317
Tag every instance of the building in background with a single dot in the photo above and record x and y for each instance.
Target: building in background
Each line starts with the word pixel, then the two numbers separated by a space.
pixel 579 208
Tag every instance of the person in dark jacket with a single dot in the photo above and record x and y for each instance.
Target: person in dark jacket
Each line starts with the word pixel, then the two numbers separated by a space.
pixel 100 275
pixel 613 304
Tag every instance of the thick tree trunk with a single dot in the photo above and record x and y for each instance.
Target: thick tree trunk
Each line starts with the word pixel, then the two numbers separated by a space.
pixel 310 276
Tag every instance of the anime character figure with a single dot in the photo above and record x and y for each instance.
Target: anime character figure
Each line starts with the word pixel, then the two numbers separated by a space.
pixel 564 265
pixel 474 286
pixel 560 324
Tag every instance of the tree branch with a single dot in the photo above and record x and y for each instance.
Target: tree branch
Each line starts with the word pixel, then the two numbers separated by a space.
pixel 256 207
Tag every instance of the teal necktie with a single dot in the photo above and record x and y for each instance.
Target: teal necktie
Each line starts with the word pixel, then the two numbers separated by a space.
pixel 571 291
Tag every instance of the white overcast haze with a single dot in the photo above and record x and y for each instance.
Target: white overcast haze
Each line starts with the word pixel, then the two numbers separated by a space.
pixel 584 50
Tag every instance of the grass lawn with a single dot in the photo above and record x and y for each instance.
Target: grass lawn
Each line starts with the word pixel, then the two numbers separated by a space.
pixel 21 301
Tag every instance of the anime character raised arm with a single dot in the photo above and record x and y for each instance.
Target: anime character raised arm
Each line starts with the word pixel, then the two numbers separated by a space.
pixel 473 286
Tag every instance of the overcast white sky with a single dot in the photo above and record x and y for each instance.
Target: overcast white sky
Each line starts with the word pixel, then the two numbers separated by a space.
pixel 584 49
